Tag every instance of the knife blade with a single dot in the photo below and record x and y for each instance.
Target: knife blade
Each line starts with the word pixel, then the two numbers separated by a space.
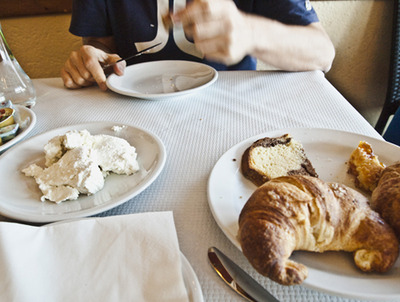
pixel 237 278
pixel 131 57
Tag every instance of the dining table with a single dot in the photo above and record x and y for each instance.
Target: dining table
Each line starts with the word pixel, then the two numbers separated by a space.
pixel 197 129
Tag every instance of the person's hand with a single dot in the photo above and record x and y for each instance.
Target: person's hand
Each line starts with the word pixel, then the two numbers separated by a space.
pixel 84 67
pixel 218 28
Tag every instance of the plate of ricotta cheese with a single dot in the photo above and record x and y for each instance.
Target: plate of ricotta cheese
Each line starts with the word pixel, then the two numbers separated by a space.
pixel 30 202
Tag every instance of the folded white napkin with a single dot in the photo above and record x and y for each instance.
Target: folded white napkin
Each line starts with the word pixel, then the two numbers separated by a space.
pixel 119 258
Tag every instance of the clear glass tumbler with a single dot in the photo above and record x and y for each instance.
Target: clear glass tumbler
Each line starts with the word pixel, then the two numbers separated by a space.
pixel 15 84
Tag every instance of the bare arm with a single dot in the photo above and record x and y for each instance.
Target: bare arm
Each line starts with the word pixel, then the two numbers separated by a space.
pixel 84 66
pixel 225 34
pixel 291 47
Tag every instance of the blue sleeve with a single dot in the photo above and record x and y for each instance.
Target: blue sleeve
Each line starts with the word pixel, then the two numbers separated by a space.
pixel 296 12
pixel 90 19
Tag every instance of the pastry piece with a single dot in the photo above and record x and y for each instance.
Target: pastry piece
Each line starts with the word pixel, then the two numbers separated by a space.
pixel 365 166
pixel 268 158
pixel 385 198
pixel 305 213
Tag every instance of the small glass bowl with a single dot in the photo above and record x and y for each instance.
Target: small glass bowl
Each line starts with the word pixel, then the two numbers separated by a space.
pixel 6 117
pixel 8 132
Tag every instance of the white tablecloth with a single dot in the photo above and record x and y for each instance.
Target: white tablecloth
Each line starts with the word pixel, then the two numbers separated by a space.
pixel 196 130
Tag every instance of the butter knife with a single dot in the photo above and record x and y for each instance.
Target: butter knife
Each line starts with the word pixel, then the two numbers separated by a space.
pixel 130 57
pixel 237 278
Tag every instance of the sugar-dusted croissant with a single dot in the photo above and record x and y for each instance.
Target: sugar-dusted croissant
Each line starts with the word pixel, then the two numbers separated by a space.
pixel 385 198
pixel 305 213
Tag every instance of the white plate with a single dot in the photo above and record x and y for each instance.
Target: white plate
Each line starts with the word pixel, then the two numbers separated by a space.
pixel 20 195
pixel 328 150
pixel 192 284
pixel 27 120
pixel 161 79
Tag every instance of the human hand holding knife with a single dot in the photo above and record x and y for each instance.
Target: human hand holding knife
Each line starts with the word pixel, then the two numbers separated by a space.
pixel 132 56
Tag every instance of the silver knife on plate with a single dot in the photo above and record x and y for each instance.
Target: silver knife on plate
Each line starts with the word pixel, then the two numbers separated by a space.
pixel 237 278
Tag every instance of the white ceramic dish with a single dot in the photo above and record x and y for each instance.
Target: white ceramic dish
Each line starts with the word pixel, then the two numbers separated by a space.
pixel 328 150
pixel 20 195
pixel 192 284
pixel 160 79
pixel 26 120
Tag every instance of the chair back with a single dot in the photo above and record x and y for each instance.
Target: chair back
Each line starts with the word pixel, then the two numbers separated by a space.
pixel 392 100
pixel 392 133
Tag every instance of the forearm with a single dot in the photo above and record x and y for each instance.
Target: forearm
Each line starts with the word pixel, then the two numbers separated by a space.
pixel 106 44
pixel 290 47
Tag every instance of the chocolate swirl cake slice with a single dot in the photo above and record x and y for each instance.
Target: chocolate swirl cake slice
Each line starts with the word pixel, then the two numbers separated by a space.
pixel 272 157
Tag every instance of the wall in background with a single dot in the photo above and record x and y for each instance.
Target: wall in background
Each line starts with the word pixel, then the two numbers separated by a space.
pixel 360 31
pixel 33 7
pixel 41 44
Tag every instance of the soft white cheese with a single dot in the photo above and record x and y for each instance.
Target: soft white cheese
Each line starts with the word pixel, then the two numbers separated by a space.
pixel 118 128
pixel 78 162
pixel 58 145
pixel 114 154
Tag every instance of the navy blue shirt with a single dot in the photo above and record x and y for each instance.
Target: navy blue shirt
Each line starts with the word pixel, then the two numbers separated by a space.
pixel 136 24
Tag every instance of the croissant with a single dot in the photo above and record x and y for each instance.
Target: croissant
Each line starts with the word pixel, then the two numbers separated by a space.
pixel 385 198
pixel 305 213
pixel 365 165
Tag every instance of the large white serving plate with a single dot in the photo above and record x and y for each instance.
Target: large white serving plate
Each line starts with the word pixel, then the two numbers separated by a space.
pixel 26 120
pixel 20 195
pixel 329 151
pixel 160 79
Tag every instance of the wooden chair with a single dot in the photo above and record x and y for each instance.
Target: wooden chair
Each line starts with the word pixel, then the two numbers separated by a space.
pixel 392 100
